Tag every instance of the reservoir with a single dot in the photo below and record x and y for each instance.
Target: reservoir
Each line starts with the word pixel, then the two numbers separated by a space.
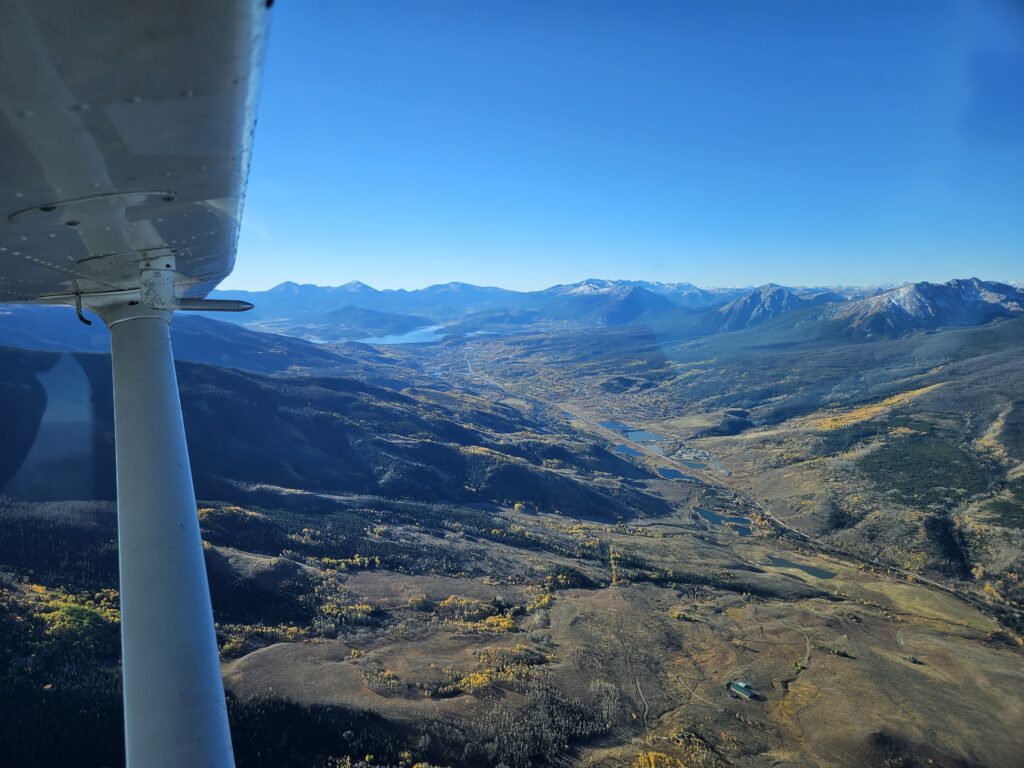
pixel 618 426
pixel 674 474
pixel 642 436
pixel 742 526
pixel 424 335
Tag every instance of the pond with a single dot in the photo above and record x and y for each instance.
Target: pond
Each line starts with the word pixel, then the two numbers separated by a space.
pixel 627 451
pixel 424 335
pixel 674 474
pixel 717 519
pixel 618 426
pixel 642 436
pixel 818 573
pixel 694 464
pixel 741 524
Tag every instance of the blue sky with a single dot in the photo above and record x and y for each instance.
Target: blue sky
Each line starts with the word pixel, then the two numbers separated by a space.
pixel 530 142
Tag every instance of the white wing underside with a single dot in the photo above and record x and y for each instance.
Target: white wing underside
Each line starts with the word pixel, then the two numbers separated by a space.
pixel 125 136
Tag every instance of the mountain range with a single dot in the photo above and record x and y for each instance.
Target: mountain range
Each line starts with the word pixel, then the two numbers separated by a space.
pixel 357 311
pixel 286 330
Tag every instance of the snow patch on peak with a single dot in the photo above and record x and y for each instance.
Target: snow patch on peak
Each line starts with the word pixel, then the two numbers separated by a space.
pixel 589 287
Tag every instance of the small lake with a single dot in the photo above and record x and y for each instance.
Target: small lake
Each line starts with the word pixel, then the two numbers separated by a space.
pixel 643 436
pixel 674 474
pixel 717 519
pixel 742 526
pixel 818 573
pixel 694 464
pixel 618 426
pixel 424 335
pixel 627 451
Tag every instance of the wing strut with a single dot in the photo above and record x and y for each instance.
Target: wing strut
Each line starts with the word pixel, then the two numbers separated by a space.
pixel 174 708
pixel 125 136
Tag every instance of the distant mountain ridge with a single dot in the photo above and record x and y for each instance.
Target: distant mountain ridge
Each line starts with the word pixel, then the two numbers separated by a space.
pixel 683 294
pixel 927 306
pixel 455 294
pixel 356 311
pixel 306 302
pixel 886 313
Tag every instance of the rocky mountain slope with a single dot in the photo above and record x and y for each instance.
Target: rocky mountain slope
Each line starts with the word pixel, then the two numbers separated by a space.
pixel 926 306
pixel 315 434
pixel 762 305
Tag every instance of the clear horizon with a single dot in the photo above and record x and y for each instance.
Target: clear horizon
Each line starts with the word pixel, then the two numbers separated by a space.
pixel 535 144
pixel 736 287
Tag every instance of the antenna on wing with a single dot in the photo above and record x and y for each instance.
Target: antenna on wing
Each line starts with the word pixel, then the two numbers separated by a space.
pixel 78 303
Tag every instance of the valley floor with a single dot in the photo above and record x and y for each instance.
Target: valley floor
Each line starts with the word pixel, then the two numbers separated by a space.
pixel 847 662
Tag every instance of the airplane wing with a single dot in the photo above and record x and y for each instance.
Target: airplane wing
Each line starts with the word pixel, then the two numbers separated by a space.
pixel 125 136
